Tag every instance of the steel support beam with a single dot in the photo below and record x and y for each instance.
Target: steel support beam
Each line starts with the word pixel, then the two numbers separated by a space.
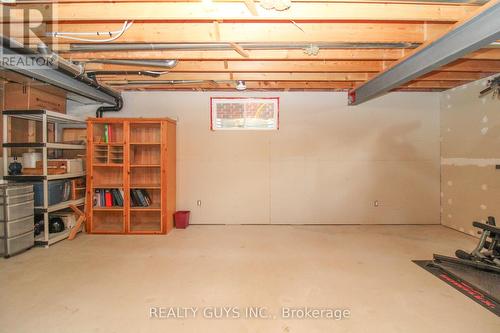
pixel 474 32
pixel 45 73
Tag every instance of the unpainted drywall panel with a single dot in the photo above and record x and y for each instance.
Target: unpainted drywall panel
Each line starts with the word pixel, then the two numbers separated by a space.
pixel 469 193
pixel 470 130
pixel 328 163
pixel 406 192
pixel 470 126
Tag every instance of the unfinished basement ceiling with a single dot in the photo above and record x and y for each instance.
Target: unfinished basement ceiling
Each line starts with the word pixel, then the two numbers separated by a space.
pixel 312 45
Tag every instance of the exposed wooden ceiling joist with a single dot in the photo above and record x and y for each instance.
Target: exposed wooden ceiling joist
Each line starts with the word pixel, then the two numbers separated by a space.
pixel 337 54
pixel 448 2
pixel 299 11
pixel 340 32
pixel 277 85
pixel 287 66
pixel 259 76
pixel 230 21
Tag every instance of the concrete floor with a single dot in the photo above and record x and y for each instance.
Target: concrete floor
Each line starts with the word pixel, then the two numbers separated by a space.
pixel 108 283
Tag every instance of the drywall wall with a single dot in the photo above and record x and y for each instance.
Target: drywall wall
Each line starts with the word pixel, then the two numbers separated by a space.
pixel 328 163
pixel 470 130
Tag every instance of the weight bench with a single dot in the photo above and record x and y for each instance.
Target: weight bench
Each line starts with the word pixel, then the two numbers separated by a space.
pixel 486 255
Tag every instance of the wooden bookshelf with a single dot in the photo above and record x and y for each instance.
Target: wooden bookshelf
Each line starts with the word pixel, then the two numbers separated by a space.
pixel 132 159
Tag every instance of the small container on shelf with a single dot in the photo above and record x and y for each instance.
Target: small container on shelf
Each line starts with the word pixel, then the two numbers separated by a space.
pixel 59 191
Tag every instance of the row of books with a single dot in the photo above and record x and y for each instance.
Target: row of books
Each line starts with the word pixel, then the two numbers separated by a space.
pixel 114 198
pixel 108 198
pixel 140 198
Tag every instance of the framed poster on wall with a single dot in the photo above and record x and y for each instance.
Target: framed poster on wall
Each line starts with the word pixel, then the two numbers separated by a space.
pixel 244 113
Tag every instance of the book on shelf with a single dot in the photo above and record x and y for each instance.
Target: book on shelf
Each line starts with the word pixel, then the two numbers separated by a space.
pixel 107 135
pixel 140 198
pixel 117 197
pixel 110 133
pixel 108 198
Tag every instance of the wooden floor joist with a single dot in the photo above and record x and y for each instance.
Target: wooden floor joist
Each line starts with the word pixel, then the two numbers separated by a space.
pixel 236 22
pixel 291 66
pixel 324 54
pixel 235 32
pixel 357 77
pixel 299 11
pixel 277 85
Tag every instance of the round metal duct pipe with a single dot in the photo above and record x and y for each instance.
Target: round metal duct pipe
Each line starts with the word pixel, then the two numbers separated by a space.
pixel 227 46
pixel 144 63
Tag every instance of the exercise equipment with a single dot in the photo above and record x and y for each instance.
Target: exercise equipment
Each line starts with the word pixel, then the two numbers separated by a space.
pixel 485 256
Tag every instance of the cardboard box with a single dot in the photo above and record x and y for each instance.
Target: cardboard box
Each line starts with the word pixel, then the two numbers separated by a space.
pixel 69 165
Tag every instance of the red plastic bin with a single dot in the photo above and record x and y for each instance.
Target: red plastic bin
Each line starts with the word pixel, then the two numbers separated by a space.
pixel 181 219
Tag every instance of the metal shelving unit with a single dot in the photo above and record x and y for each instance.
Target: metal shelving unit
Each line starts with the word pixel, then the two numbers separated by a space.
pixel 45 117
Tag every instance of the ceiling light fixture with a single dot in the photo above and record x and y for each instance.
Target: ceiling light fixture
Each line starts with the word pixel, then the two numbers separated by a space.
pixel 240 85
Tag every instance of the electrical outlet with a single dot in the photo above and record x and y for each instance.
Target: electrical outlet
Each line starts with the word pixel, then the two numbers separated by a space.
pixel 198 203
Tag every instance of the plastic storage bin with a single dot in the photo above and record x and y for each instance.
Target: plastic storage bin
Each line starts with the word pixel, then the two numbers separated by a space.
pixel 16 218
pixel 59 191
pixel 181 219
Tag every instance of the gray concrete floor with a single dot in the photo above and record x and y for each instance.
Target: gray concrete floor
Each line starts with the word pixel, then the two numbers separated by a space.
pixel 109 283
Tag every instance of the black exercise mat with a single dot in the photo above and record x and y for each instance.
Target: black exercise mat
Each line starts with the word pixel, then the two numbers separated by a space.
pixel 480 286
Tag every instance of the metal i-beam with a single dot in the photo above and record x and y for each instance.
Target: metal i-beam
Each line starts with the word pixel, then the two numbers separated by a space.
pixel 479 29
pixel 45 73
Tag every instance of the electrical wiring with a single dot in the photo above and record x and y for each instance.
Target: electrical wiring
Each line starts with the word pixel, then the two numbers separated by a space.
pixel 114 35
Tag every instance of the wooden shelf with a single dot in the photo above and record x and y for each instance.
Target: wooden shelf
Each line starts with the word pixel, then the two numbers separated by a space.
pixel 145 143
pixel 145 166
pixel 113 165
pixel 145 209
pixel 97 186
pixel 140 165
pixel 153 207
pixel 108 143
pixel 145 186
